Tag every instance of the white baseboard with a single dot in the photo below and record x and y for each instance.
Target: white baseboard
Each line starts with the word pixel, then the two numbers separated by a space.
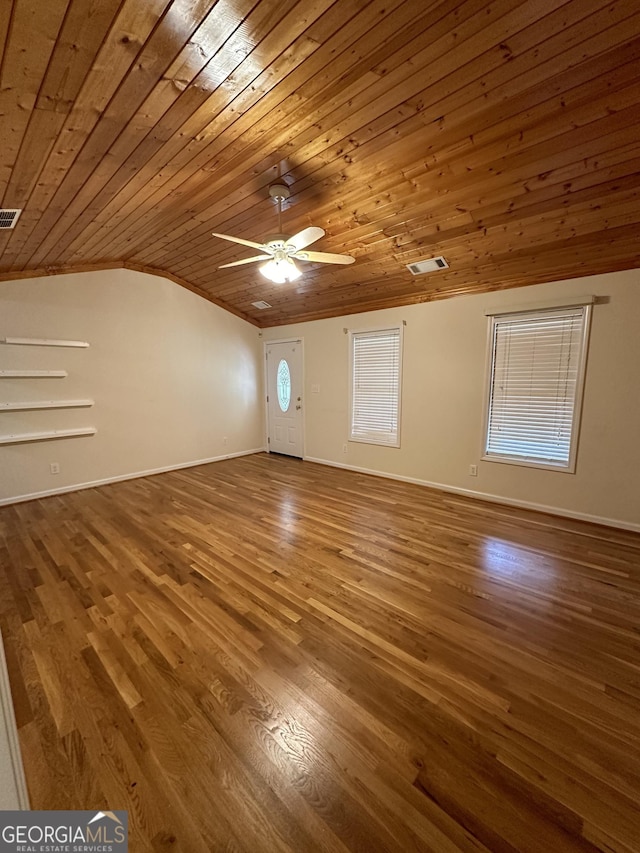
pixel 471 493
pixel 76 487
pixel 13 787
pixel 486 496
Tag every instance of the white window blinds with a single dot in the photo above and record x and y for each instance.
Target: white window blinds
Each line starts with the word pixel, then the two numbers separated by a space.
pixel 376 358
pixel 536 386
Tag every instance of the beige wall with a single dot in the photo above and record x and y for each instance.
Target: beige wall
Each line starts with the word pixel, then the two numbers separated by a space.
pixel 445 345
pixel 171 374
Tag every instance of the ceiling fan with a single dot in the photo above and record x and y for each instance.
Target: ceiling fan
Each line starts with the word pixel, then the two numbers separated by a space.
pixel 281 252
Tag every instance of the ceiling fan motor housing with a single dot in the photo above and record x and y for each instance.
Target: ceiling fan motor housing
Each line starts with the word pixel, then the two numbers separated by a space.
pixel 279 192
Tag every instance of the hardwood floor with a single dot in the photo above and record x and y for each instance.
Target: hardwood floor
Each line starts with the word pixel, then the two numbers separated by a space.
pixel 270 655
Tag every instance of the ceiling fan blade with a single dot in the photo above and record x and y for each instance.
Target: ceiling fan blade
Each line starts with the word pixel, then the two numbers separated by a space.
pixel 305 237
pixel 238 240
pixel 245 261
pixel 324 258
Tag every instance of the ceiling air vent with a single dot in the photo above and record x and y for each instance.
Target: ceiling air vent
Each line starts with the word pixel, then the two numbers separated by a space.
pixel 8 218
pixel 430 265
pixel 261 305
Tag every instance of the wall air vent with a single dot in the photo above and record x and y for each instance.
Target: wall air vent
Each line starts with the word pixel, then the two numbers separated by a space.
pixel 261 305
pixel 9 217
pixel 430 265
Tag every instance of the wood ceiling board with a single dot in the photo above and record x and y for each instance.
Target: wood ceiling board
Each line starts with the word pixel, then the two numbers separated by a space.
pixel 144 74
pixel 189 223
pixel 199 135
pixel 175 194
pixel 22 72
pixel 79 39
pixel 101 186
pixel 501 134
pixel 60 270
pixel 119 48
pixel 145 168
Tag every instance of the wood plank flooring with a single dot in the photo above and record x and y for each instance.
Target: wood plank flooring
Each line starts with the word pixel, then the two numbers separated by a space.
pixel 267 655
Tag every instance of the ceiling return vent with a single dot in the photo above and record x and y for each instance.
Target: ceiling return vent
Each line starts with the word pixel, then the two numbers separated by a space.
pixel 261 305
pixel 9 217
pixel 430 265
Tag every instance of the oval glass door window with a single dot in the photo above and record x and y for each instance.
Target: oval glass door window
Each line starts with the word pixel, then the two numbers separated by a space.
pixel 283 382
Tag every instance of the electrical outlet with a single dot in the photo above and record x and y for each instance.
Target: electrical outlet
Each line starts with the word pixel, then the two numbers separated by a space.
pixel 473 470
pixel 54 467
pixel 225 440
pixel 344 448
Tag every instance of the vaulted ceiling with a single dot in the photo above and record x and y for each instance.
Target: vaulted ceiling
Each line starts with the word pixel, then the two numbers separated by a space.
pixel 503 135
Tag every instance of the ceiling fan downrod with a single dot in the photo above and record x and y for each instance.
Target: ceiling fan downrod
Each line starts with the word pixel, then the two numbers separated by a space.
pixel 280 193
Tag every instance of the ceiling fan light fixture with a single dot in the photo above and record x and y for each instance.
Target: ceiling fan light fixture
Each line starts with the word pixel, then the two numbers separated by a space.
pixel 280 270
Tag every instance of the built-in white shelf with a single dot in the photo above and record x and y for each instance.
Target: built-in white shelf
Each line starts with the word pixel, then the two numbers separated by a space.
pixel 42 342
pixel 20 438
pixel 45 404
pixel 33 374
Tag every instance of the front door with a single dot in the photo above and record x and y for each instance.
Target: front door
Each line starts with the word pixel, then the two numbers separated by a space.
pixel 284 398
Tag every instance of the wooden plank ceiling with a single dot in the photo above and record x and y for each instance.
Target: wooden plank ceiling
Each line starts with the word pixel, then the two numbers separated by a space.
pixel 502 135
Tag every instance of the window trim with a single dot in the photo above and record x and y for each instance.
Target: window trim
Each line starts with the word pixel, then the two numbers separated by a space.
pixel 395 327
pixel 586 304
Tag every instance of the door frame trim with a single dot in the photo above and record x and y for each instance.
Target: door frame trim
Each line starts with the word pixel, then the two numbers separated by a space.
pixel 11 767
pixel 296 339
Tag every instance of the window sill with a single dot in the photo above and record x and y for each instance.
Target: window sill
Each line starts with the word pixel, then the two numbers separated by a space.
pixel 531 463
pixel 375 441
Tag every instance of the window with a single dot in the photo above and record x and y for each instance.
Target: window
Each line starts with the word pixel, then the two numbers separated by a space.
pixel 283 385
pixel 535 386
pixel 376 364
